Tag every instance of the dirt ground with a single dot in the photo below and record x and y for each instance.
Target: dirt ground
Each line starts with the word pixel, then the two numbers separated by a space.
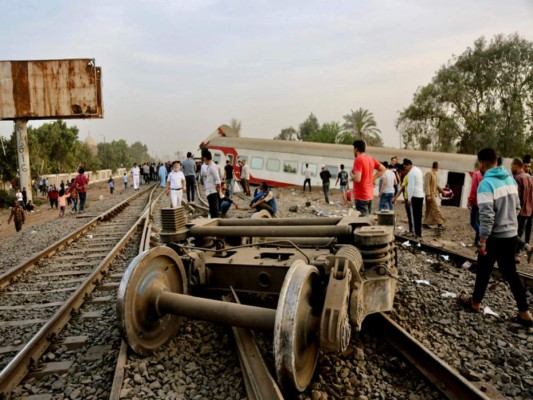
pixel 43 213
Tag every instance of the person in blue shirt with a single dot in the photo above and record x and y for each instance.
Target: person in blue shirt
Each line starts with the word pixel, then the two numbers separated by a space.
pixel 264 200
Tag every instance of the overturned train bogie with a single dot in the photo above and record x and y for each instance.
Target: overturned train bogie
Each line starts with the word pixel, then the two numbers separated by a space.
pixel 328 274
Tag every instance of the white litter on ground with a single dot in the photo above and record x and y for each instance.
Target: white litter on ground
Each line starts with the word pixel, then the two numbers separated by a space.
pixel 420 281
pixel 488 311
pixel 448 295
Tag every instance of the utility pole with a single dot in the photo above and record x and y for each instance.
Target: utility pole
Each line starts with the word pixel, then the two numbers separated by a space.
pixel 23 153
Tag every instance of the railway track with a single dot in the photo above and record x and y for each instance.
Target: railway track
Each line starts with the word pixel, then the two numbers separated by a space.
pixel 42 294
pixel 453 386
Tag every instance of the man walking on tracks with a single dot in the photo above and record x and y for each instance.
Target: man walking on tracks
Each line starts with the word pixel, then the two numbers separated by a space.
pixel 245 178
pixel 325 175
pixel 80 183
pixel 17 215
pixel 136 175
pixel 498 202
pixel 307 174
pixel 189 170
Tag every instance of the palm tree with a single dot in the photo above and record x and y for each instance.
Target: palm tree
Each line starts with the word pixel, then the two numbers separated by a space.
pixel 235 124
pixel 360 124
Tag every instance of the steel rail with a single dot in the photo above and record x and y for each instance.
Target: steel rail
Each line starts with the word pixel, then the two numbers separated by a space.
pixel 527 278
pixel 21 364
pixel 445 378
pixel 260 385
pixel 26 265
pixel 118 377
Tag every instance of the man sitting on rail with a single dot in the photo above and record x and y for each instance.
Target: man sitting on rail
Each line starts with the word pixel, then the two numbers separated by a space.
pixel 264 200
pixel 225 201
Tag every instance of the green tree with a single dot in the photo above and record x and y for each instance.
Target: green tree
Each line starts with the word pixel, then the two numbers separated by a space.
pixel 139 152
pixel 484 97
pixel 8 158
pixel 53 147
pixel 236 125
pixel 328 133
pixel 308 128
pixel 287 134
pixel 360 124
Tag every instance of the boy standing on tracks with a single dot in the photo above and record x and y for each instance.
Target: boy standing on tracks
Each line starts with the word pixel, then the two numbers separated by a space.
pixel 498 202
pixel 17 215
pixel 363 177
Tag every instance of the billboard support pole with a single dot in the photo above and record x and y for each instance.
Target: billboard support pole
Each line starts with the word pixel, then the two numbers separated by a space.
pixel 23 152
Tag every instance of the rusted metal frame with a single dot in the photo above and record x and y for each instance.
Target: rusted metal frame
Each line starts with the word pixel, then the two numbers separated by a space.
pixel 279 222
pixel 260 385
pixel 222 276
pixel 275 231
pixel 6 277
pixel 199 308
pixel 445 378
pixel 526 278
pixel 17 368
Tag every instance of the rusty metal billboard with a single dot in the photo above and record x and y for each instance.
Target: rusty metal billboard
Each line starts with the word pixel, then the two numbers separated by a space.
pixel 50 89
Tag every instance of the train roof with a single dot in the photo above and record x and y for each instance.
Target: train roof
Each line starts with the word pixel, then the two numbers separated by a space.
pixel 447 161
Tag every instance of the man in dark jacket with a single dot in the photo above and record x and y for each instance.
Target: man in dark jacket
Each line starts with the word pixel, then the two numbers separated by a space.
pixel 325 176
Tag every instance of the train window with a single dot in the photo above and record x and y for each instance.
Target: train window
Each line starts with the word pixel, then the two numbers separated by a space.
pixel 333 170
pixel 290 166
pixel 216 157
pixel 273 164
pixel 312 167
pixel 257 163
pixel 239 158
pixel 230 158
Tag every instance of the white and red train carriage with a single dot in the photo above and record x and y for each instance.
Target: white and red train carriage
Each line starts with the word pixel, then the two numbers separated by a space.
pixel 282 163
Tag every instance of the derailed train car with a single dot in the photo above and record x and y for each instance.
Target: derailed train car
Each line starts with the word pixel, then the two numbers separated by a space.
pixel 282 163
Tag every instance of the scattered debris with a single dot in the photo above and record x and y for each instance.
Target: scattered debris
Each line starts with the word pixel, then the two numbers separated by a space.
pixel 488 311
pixel 466 264
pixel 446 257
pixel 449 295
pixel 422 281
pixel 406 244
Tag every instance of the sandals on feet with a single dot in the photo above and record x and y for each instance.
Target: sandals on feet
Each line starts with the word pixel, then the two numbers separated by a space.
pixel 528 323
pixel 465 301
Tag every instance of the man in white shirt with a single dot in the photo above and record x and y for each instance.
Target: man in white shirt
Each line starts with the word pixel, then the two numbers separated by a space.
pixel 175 185
pixel 212 185
pixel 135 174
pixel 415 194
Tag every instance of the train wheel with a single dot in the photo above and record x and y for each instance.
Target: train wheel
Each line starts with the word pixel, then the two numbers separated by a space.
pixel 151 272
pixel 296 340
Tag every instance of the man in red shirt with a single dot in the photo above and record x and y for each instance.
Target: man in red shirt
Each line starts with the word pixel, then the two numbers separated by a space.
pixel 80 183
pixel 364 177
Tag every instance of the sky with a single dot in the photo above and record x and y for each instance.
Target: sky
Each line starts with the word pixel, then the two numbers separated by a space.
pixel 173 71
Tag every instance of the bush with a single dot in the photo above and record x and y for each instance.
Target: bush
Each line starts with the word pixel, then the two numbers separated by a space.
pixel 6 199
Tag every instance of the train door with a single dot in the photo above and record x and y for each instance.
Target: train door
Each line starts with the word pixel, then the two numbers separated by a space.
pixel 455 182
